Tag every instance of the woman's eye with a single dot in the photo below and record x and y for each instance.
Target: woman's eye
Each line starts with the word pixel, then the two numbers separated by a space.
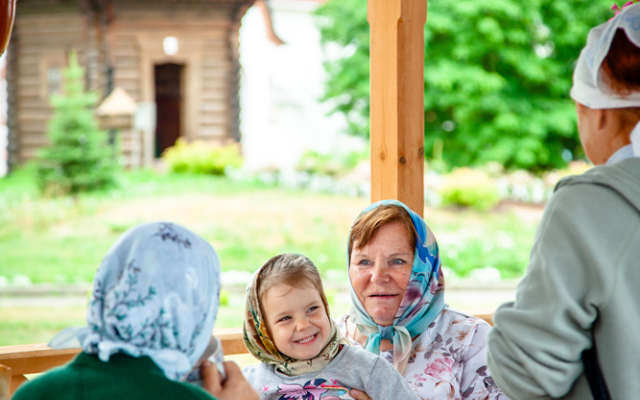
pixel 365 263
pixel 399 261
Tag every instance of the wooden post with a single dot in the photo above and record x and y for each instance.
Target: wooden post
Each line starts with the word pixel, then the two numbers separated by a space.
pixel 397 100
pixel 5 382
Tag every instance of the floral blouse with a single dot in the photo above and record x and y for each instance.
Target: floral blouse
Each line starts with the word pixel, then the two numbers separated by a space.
pixel 448 360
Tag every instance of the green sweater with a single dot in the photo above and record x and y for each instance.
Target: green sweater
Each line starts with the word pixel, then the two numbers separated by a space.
pixel 123 377
pixel 584 274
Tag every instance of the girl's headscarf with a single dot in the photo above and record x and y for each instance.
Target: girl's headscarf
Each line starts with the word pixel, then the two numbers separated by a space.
pixel 260 344
pixel 589 87
pixel 155 294
pixel 423 299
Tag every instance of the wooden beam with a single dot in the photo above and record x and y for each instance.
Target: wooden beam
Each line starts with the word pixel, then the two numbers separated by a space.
pixel 397 100
pixel 15 361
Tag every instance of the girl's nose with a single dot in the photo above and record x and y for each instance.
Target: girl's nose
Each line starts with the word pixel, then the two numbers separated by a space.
pixel 303 324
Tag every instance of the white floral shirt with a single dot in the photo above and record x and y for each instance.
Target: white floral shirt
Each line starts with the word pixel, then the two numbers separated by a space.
pixel 448 360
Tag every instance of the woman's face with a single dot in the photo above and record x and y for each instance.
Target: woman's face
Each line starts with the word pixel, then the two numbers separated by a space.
pixel 381 270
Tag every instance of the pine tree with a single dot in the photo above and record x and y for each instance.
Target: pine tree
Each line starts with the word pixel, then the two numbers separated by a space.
pixel 79 158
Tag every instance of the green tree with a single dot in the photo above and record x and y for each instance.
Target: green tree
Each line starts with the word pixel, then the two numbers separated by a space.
pixel 497 76
pixel 79 158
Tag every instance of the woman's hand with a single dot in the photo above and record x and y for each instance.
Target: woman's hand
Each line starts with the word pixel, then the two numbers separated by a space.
pixel 359 395
pixel 235 387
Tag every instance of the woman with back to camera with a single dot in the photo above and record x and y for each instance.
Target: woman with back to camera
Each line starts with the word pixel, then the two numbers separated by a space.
pixel 149 320
pixel 580 293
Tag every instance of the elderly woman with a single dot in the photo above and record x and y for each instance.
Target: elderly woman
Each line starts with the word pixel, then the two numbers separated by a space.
pixel 581 288
pixel 150 317
pixel 397 291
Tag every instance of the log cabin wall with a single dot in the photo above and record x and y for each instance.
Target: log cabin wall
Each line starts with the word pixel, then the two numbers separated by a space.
pixel 44 33
pixel 207 34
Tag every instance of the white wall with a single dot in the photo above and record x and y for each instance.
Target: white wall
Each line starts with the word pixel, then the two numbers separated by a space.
pixel 281 114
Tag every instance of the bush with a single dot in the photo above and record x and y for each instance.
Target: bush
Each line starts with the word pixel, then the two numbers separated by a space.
pixel 330 164
pixel 200 158
pixel 470 188
pixel 79 159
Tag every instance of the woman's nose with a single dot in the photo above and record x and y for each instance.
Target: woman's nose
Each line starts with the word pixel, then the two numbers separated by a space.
pixel 379 273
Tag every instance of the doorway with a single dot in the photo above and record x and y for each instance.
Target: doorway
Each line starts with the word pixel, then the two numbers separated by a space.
pixel 168 85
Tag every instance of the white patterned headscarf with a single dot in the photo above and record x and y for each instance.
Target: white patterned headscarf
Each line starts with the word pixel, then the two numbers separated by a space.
pixel 589 87
pixel 155 294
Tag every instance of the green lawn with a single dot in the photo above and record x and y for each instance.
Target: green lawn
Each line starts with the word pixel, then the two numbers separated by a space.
pixel 63 240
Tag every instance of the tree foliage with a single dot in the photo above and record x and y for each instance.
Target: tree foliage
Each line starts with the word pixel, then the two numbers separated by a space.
pixel 497 76
pixel 79 158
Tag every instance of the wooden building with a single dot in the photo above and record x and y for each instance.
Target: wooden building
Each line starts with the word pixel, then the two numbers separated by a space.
pixel 181 55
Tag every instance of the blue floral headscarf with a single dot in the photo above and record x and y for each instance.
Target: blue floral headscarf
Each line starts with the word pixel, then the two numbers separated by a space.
pixel 423 299
pixel 155 294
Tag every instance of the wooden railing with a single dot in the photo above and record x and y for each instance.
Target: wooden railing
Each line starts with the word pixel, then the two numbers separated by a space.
pixel 37 358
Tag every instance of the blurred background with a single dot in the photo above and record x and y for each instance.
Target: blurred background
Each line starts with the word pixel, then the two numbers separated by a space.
pixel 247 121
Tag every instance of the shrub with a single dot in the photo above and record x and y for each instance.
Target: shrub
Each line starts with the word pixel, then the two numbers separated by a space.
pixel 79 159
pixel 200 158
pixel 470 188
pixel 330 164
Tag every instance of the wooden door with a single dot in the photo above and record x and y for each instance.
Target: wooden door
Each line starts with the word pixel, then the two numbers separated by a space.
pixel 168 85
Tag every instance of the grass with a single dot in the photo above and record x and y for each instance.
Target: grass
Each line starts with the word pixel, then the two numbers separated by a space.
pixel 63 239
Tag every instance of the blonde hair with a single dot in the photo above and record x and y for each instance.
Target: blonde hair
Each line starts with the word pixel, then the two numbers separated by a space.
pixel 366 228
pixel 290 269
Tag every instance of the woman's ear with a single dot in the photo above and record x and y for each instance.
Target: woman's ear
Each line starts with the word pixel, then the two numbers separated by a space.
pixel 603 118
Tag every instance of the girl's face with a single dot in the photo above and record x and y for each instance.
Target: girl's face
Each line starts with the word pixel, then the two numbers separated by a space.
pixel 381 270
pixel 297 320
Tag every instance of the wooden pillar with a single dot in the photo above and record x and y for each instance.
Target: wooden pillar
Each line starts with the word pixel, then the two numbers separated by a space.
pixel 397 100
pixel 5 382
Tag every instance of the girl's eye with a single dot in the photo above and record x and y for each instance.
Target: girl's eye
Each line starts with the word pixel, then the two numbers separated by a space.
pixel 311 309
pixel 284 319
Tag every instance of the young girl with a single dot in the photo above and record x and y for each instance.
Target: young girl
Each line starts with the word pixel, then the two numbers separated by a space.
pixel 287 327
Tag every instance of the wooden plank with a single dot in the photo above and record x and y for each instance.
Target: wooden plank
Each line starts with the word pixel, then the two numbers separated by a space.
pixel 209 132
pixel 69 26
pixel 34 115
pixel 16 381
pixel 34 139
pixel 5 382
pixel 34 358
pixel 63 41
pixel 127 73
pixel 38 358
pixel 127 62
pixel 216 119
pixel 397 102
pixel 213 106
pixel 215 73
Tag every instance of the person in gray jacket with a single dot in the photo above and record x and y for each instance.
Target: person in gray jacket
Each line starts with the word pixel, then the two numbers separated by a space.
pixel 581 287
